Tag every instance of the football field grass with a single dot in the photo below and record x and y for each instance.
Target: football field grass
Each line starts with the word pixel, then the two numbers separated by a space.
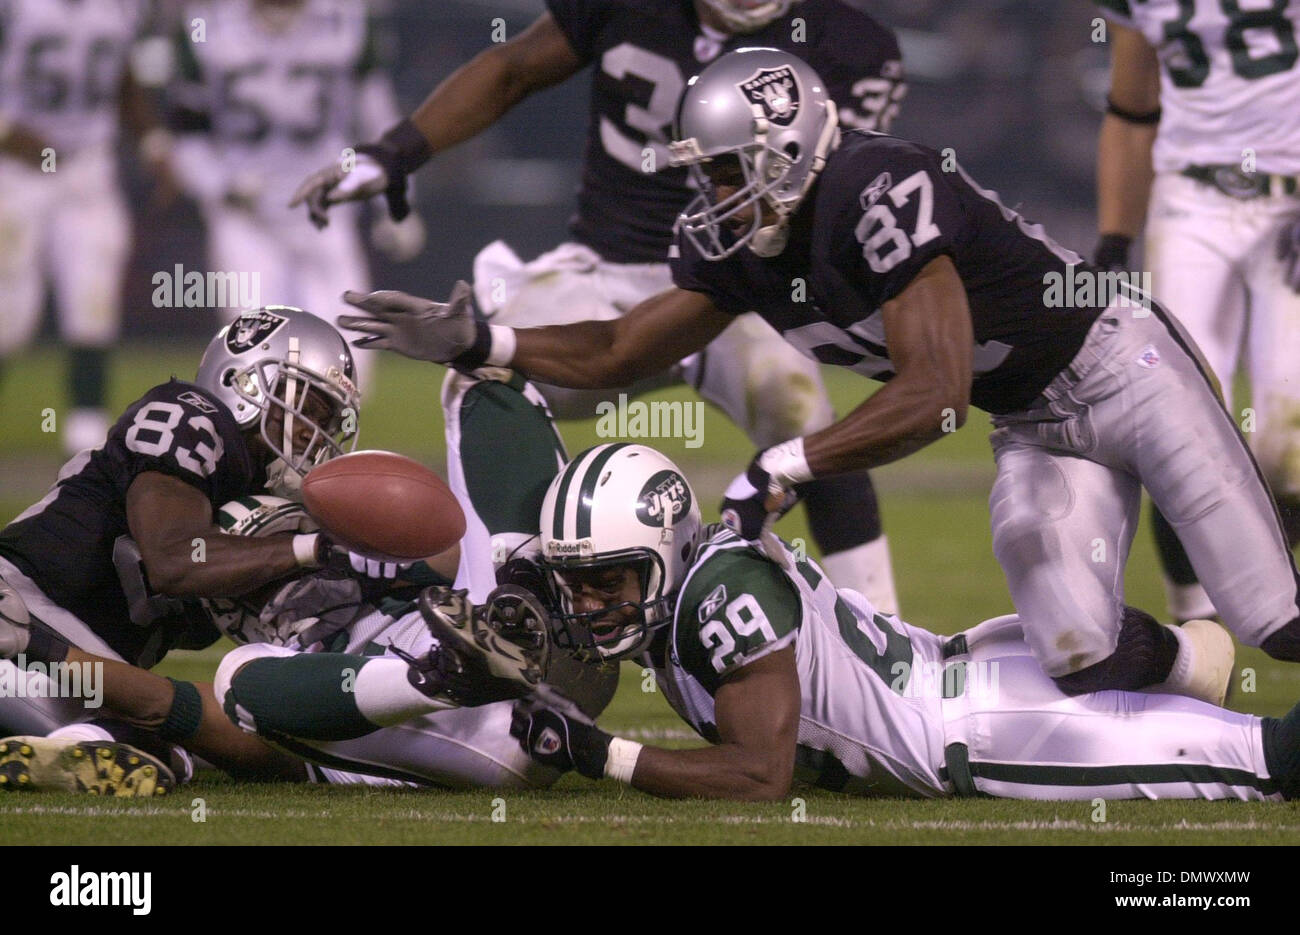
pixel 935 511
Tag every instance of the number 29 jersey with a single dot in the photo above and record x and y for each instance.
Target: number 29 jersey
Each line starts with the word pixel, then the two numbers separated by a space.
pixel 644 52
pixel 870 718
pixel 65 542
pixel 1229 80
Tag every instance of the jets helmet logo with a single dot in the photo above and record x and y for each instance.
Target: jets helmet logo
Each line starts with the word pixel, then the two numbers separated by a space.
pixel 252 328
pixel 776 91
pixel 664 498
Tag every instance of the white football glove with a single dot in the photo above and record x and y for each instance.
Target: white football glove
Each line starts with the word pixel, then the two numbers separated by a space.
pixel 336 183
pixel 439 332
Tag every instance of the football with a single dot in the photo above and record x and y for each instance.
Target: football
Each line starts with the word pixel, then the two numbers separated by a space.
pixel 384 504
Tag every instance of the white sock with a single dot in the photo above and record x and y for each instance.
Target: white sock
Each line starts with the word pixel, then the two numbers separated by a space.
pixel 81 732
pixel 866 569
pixel 384 696
pixel 1188 602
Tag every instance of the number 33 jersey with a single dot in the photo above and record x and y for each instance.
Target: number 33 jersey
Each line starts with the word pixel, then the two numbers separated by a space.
pixel 1229 80
pixel 870 686
pixel 65 542
pixel 644 52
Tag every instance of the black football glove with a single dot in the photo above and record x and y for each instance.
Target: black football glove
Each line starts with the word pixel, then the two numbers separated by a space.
pixel 439 332
pixel 337 557
pixel 1111 252
pixel 555 733
pixel 379 168
pixel 1288 251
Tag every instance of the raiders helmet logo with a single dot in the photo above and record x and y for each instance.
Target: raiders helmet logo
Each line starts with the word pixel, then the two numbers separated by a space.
pixel 664 498
pixel 251 329
pixel 776 91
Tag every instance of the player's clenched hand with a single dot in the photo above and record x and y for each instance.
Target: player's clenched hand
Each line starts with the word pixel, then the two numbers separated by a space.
pixel 354 179
pixel 556 734
pixel 1288 251
pixel 441 332
pixel 763 494
pixel 336 555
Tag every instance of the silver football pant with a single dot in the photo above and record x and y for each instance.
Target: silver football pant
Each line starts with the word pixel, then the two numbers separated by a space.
pixel 1134 409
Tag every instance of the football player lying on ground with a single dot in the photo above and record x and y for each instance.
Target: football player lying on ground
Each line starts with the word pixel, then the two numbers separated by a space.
pixel 878 254
pixel 319 705
pixel 109 560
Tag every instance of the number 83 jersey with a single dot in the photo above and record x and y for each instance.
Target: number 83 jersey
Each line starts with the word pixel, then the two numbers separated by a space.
pixel 65 542
pixel 871 686
pixel 1229 80
pixel 644 52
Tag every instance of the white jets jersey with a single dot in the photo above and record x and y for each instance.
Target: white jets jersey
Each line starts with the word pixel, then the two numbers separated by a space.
pixel 1229 80
pixel 62 63
pixel 870 719
pixel 278 96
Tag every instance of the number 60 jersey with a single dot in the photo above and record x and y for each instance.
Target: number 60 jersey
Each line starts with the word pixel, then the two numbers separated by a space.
pixel 65 542
pixel 644 52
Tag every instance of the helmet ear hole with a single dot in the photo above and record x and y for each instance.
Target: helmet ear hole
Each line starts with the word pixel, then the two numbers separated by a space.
pixel 792 150
pixel 228 377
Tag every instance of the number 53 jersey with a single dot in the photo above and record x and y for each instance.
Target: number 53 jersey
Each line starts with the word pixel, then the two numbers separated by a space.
pixel 1229 79
pixel 65 542
pixel 644 52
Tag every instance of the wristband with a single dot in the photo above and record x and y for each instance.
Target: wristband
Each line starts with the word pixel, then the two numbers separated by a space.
pixel 408 147
pixel 1112 251
pixel 621 762
pixel 786 464
pixel 186 712
pixel 304 549
pixel 501 348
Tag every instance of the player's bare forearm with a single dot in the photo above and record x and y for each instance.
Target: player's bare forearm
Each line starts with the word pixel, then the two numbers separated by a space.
pixel 650 338
pixel 24 145
pixel 757 712
pixel 929 333
pixel 145 699
pixel 478 93
pixel 186 555
pixel 1124 170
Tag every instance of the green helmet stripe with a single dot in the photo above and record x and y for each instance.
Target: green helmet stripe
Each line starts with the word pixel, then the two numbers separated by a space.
pixel 562 497
pixel 588 488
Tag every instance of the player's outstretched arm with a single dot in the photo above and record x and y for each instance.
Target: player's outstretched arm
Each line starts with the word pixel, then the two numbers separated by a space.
pixel 168 518
pixel 757 713
pixel 931 342
pixel 1128 130
pixel 471 99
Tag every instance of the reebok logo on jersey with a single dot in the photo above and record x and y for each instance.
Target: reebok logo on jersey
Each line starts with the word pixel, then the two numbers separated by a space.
pixel 776 90
pixel 709 606
pixel 871 194
pixel 197 401
pixel 1149 358
pixel 251 329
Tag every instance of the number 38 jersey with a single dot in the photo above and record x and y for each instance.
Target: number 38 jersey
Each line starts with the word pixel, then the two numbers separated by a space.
pixel 644 52
pixel 883 209
pixel 62 63
pixel 1229 79
pixel 65 543
pixel 870 692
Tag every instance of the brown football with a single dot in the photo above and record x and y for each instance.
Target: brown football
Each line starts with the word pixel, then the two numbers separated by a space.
pixel 384 504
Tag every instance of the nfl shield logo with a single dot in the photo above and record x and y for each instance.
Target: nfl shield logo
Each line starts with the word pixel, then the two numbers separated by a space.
pixel 251 329
pixel 548 742
pixel 776 90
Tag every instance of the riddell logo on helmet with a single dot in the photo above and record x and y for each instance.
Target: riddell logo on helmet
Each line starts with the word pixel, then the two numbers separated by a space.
pixel 252 328
pixel 579 547
pixel 776 90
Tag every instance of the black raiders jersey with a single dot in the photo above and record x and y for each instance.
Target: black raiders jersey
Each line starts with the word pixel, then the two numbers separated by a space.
pixel 66 543
pixel 644 52
pixel 881 210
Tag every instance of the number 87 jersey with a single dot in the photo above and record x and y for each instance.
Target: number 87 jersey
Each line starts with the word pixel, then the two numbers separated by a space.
pixel 65 542
pixel 1229 79
pixel 643 53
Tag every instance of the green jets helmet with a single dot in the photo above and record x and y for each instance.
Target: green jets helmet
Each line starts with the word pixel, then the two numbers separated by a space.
pixel 769 111
pixel 270 359
pixel 618 505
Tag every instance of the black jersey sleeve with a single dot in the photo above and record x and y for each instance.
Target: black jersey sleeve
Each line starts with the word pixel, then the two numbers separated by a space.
pixel 895 209
pixel 580 21
pixel 714 279
pixel 178 429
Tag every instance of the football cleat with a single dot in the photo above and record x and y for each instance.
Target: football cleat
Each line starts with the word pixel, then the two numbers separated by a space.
pixel 48 764
pixel 475 658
